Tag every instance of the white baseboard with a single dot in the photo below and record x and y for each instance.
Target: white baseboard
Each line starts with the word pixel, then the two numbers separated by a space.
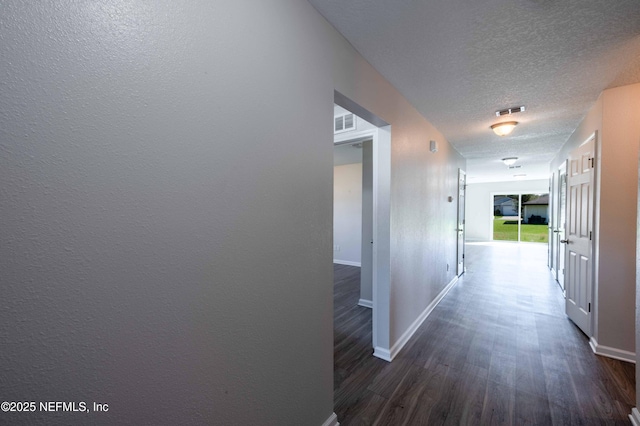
pixel 382 353
pixel 397 347
pixel 366 303
pixel 347 262
pixel 331 421
pixel 612 352
pixel 389 355
pixel 635 417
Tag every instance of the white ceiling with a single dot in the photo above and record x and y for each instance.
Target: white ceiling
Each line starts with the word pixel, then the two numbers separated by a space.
pixel 459 61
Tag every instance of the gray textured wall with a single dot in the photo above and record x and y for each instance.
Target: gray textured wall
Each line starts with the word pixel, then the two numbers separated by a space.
pixel 165 242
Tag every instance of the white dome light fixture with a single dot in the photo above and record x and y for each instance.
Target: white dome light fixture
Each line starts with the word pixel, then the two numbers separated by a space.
pixel 509 161
pixel 504 128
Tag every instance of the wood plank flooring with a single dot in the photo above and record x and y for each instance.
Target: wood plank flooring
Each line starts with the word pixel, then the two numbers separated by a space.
pixel 497 350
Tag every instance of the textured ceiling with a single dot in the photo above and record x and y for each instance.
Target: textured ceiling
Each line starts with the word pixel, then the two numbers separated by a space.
pixel 459 61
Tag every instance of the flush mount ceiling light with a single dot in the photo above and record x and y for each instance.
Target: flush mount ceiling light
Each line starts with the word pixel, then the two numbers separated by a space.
pixel 504 128
pixel 509 161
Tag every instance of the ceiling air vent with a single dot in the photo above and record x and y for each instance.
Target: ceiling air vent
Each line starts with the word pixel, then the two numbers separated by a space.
pixel 509 111
pixel 344 123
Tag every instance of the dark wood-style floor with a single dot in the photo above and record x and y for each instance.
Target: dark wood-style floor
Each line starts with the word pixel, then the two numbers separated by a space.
pixel 498 350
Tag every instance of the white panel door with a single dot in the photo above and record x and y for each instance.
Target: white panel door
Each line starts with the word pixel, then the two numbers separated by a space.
pixel 579 234
pixel 561 224
pixel 551 248
pixel 462 185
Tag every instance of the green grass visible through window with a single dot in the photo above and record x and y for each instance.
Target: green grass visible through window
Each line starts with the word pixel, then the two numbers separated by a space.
pixel 506 229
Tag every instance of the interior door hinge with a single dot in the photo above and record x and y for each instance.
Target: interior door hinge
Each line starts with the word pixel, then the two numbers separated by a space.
pixel 592 161
pixel 589 307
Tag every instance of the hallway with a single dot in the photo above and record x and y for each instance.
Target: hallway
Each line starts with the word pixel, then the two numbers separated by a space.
pixel 498 349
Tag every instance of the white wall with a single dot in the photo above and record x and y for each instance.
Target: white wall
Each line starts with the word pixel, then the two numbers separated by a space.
pixel 616 118
pixel 480 203
pixel 165 240
pixel 347 214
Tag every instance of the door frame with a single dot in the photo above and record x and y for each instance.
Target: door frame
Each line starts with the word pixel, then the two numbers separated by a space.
pixel 364 138
pixel 381 189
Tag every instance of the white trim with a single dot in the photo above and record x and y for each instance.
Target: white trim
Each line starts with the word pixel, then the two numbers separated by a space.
pixel 347 262
pixel 635 417
pixel 614 353
pixel 354 137
pixel 365 303
pixel 331 421
pixel 381 250
pixel 382 353
pixel 389 355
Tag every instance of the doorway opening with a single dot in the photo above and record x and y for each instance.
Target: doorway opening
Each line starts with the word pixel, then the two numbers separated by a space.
pixel 557 228
pixel 361 135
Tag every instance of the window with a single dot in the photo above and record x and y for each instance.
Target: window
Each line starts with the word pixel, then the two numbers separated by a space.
pixel 521 217
pixel 344 123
